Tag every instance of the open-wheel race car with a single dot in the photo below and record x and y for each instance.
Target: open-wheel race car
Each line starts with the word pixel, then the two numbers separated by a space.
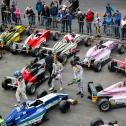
pixel 108 98
pixel 100 122
pixel 100 54
pixel 33 75
pixel 34 112
pixel 117 66
pixel 67 46
pixel 34 42
pixel 11 35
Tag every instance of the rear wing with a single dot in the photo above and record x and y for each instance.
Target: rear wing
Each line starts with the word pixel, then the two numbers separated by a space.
pixel 92 91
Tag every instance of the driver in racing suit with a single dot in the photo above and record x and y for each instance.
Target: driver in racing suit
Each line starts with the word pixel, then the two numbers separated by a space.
pixel 56 73
pixel 78 76
pixel 21 89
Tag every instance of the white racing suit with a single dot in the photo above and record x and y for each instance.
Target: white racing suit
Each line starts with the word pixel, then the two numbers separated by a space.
pixel 57 73
pixel 78 75
pixel 21 90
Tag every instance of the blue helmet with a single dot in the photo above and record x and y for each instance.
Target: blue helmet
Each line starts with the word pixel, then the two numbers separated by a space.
pixel 17 73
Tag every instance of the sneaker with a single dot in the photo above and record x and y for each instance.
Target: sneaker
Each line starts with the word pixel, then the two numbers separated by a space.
pixel 78 93
pixel 61 89
pixel 82 95
pixel 50 89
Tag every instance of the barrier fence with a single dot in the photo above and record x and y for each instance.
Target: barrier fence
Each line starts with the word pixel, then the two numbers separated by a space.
pixel 55 23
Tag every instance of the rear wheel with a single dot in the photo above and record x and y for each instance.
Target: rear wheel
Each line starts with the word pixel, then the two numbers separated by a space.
pixel 55 36
pixel 104 105
pixel 13 49
pixel 5 84
pixel 64 106
pixel 121 49
pixel 97 66
pixel 87 42
pixel 99 88
pixel 112 66
pixel 35 52
pixel 97 122
pixel 63 58
pixel 31 89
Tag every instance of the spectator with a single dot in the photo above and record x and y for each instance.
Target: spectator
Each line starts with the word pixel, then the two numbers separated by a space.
pixel 60 2
pixel 45 16
pixel 62 18
pixel 109 9
pixel 89 18
pixel 80 21
pixel 13 9
pixel 68 21
pixel 18 16
pixel 97 24
pixel 39 8
pixel 8 15
pixel 30 15
pixel 117 21
pixel 123 27
pixel 7 3
pixel 3 8
pixel 54 13
pixel 108 23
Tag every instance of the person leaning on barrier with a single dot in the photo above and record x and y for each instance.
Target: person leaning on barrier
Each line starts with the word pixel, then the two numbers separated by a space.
pixel 81 21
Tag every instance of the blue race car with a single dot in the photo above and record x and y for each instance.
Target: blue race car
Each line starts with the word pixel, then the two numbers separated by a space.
pixel 33 112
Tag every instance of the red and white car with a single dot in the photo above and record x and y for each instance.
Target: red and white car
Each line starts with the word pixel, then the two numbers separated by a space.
pixel 34 42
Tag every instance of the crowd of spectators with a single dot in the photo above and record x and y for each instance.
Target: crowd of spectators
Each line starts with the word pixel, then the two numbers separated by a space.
pixel 52 14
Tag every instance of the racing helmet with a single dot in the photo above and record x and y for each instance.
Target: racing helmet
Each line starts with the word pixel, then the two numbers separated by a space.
pixel 24 105
pixel 17 74
pixel 73 34
pixel 73 62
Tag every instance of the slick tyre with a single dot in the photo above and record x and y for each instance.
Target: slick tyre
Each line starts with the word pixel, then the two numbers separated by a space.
pixel 111 66
pixel 87 42
pixel 64 106
pixel 121 49
pixel 104 105
pixel 31 89
pixel 5 84
pixel 55 36
pixel 97 122
pixel 97 66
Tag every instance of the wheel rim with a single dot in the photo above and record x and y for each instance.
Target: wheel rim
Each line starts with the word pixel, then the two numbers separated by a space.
pixel 33 89
pixel 105 106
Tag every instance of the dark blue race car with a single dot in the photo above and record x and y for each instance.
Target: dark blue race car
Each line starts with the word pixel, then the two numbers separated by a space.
pixel 33 112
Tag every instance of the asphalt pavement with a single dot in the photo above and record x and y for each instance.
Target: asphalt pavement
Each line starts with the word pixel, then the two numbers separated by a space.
pixel 85 111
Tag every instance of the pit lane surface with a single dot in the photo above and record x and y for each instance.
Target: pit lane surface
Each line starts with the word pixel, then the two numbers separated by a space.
pixel 85 111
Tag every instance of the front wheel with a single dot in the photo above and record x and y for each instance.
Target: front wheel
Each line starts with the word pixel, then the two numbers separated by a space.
pixel 5 84
pixel 121 49
pixel 111 66
pixel 13 49
pixel 64 106
pixel 97 66
pixel 35 52
pixel 104 105
pixel 55 36
pixel 87 42
pixel 97 122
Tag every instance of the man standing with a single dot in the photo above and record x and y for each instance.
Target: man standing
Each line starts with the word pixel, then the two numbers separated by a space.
pixel 57 73
pixel 21 89
pixel 78 76
pixel 3 14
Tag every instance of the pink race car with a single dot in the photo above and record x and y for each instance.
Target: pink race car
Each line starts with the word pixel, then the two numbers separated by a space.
pixel 117 66
pixel 106 99
pixel 34 42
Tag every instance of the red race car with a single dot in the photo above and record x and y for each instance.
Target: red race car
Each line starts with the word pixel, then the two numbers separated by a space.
pixel 117 66
pixel 34 42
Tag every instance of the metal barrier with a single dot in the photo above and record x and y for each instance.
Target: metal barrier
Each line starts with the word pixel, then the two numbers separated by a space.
pixel 55 23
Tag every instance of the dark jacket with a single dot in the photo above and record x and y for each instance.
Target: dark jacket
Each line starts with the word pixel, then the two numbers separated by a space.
pixel 39 7
pixel 81 18
pixel 49 61
pixel 69 19
pixel 54 10
pixel 45 12
pixel 117 19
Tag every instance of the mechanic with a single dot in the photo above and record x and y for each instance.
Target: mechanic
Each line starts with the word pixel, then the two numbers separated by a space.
pixel 21 89
pixel 56 73
pixel 78 75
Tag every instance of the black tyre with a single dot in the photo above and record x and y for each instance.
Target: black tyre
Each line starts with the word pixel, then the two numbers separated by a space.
pixel 63 58
pixel 97 66
pixel 35 52
pixel 87 42
pixel 121 48
pixel 13 49
pixel 112 65
pixel 99 88
pixel 64 106
pixel 31 89
pixel 104 105
pixel 55 36
pixel 28 32
pixel 5 84
pixel 89 89
pixel 97 122
pixel 44 93
pixel 2 28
